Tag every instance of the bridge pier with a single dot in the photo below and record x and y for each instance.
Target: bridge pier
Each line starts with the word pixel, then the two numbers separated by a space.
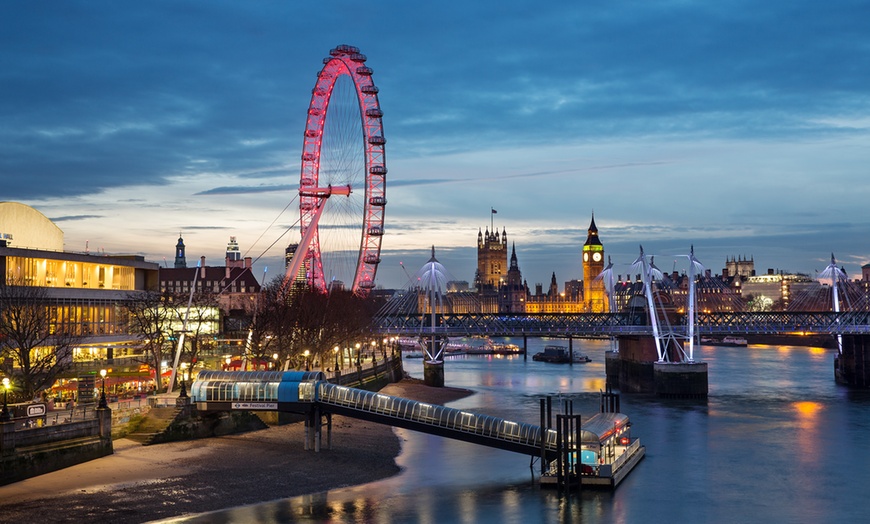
pixel 635 369
pixel 433 373
pixel 852 368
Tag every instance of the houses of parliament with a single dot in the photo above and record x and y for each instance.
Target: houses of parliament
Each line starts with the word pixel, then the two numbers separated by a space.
pixel 499 285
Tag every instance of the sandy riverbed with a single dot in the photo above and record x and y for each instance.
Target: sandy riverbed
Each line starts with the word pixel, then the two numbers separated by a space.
pixel 141 483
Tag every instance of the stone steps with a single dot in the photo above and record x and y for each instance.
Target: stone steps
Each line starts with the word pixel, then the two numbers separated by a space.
pixel 153 424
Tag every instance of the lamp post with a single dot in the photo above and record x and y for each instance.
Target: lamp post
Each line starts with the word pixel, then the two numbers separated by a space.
pixel 335 350
pixel 357 354
pixel 103 403
pixel 306 353
pixel 275 358
pixel 4 414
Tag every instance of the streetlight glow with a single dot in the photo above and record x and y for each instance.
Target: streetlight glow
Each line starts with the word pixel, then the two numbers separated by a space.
pixel 4 414
pixel 103 403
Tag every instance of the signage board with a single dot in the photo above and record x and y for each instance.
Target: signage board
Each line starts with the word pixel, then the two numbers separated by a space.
pixel 86 388
pixel 255 405
pixel 36 410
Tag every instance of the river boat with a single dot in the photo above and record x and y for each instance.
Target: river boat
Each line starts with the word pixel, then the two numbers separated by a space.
pixel 560 355
pixel 729 341
pixel 406 343
pixel 457 348
pixel 607 453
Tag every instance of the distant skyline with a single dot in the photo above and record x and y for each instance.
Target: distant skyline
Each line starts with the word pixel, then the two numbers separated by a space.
pixel 740 127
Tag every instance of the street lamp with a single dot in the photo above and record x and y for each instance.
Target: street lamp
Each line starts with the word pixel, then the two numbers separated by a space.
pixel 306 353
pixel 103 403
pixel 357 354
pixel 4 414
pixel 335 350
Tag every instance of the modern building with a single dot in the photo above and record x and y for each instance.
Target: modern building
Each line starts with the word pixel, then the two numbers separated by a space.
pixel 87 293
pixel 301 279
pixel 774 290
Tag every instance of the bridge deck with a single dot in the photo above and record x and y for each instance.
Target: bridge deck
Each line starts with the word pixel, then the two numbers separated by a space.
pixel 436 420
pixel 621 324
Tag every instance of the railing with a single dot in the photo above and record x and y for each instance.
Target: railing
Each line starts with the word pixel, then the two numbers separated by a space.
pixel 616 324
pixel 436 416
pixel 622 459
pixel 47 434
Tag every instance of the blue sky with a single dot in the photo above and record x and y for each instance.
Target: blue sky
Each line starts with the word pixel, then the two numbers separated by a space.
pixel 738 127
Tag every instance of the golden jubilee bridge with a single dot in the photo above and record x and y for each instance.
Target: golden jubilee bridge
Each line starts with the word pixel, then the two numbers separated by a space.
pixel 593 325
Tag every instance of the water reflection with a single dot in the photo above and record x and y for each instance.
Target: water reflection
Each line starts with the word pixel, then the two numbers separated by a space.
pixel 777 441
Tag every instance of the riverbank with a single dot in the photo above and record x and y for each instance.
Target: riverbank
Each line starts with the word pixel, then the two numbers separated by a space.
pixel 143 483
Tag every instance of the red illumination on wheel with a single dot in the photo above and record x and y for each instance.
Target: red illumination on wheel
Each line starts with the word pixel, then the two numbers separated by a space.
pixel 344 147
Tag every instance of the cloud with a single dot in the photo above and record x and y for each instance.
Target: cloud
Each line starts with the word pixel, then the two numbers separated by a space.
pixel 68 218
pixel 239 190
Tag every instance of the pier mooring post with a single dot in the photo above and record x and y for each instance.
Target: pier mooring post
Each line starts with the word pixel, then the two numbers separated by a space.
pixel 567 445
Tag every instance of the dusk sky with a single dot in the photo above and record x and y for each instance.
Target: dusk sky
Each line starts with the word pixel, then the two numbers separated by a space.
pixel 739 127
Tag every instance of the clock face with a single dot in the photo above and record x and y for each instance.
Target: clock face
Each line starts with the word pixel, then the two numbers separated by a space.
pixel 596 257
pixel 585 257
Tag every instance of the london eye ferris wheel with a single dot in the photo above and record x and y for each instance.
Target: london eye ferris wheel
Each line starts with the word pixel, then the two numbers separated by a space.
pixel 342 185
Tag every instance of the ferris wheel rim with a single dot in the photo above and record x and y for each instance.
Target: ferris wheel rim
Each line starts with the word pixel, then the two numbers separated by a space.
pixel 346 61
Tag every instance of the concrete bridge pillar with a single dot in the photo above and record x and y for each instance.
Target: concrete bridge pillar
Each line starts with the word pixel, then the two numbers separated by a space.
pixel 852 368
pixel 635 369
pixel 433 374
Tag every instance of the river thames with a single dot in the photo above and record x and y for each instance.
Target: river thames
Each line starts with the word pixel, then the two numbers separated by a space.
pixel 776 441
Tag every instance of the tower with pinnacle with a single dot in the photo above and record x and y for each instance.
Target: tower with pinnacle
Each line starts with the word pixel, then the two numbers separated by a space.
pixel 492 262
pixel 180 258
pixel 593 265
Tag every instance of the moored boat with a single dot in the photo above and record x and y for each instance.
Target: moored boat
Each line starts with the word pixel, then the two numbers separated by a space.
pixel 730 341
pixel 606 455
pixel 560 355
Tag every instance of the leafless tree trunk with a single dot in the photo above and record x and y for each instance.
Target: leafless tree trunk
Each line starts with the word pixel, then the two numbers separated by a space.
pixel 289 322
pixel 33 348
pixel 150 315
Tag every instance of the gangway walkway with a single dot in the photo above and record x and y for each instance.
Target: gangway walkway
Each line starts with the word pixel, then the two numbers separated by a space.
pixel 309 393
pixel 604 441
pixel 436 420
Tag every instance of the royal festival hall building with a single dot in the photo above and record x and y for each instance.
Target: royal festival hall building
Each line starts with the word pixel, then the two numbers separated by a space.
pixel 86 293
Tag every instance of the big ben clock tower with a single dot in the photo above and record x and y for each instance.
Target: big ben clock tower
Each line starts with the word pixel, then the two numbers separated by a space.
pixel 593 265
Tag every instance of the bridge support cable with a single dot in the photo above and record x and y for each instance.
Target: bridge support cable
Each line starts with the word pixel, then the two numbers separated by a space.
pixel 836 275
pixel 648 292
pixel 694 265
pixel 606 276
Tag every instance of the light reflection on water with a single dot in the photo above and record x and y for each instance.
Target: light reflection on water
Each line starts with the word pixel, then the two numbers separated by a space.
pixel 776 441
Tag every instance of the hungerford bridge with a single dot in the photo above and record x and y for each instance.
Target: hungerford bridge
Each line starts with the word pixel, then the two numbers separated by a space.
pixel 588 325
pixel 654 337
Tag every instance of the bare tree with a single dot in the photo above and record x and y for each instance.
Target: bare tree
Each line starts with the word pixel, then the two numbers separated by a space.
pixel 151 313
pixel 289 322
pixel 200 317
pixel 33 346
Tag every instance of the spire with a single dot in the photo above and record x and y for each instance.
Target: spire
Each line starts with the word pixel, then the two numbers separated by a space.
pixel 592 234
pixel 514 264
pixel 180 259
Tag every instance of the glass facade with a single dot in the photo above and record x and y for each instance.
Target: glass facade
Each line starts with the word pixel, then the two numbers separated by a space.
pixel 66 273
